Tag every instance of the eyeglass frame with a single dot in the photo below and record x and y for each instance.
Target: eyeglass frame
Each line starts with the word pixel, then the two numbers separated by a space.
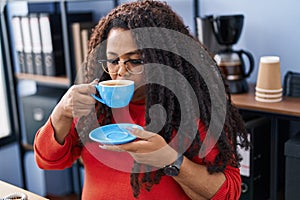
pixel 105 68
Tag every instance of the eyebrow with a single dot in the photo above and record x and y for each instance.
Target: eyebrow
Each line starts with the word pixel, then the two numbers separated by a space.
pixel 127 54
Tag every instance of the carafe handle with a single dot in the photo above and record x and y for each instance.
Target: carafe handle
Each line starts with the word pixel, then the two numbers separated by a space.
pixel 251 61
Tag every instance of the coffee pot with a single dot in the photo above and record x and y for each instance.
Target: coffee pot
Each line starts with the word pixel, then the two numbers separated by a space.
pixel 227 30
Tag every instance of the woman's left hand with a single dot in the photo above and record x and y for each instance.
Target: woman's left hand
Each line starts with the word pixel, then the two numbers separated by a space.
pixel 149 148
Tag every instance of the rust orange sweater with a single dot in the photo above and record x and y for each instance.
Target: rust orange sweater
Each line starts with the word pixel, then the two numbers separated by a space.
pixel 103 180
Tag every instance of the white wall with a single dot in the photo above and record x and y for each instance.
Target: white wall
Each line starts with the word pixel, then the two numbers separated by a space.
pixel 185 8
pixel 271 27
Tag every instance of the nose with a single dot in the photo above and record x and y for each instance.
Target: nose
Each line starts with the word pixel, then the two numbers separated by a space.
pixel 122 71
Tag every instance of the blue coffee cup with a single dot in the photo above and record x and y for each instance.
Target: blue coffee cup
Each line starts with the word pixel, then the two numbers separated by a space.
pixel 115 93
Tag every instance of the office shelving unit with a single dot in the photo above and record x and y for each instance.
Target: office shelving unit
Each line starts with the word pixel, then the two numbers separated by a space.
pixel 51 6
pixel 45 84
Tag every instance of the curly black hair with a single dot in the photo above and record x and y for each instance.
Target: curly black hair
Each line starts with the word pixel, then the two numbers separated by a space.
pixel 149 14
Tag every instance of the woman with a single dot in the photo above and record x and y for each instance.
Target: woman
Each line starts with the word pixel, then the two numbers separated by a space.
pixel 145 41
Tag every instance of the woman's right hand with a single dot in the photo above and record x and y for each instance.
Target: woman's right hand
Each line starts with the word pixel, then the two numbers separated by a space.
pixel 76 102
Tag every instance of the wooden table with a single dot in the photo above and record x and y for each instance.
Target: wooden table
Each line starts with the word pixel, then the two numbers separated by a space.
pixel 288 108
pixel 7 189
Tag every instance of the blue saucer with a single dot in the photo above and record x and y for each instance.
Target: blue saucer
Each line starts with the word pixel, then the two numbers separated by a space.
pixel 113 134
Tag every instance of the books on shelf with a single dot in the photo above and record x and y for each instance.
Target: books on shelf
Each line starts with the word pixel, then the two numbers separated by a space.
pixel 38 41
pixel 27 45
pixel 85 34
pixel 18 42
pixel 80 34
pixel 52 44
pixel 80 27
pixel 36 44
pixel 39 44
pixel 47 46
pixel 77 55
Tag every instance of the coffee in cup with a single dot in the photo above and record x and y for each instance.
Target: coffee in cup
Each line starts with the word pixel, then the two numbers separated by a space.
pixel 115 93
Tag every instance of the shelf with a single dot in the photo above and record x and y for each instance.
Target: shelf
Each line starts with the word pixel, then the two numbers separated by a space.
pixel 45 80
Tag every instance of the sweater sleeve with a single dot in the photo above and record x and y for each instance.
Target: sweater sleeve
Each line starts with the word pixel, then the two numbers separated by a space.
pixel 231 188
pixel 49 154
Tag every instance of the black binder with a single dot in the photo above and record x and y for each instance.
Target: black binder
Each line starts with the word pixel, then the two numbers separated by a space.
pixel 256 185
pixel 291 86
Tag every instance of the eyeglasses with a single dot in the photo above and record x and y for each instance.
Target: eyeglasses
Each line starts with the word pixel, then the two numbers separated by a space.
pixel 112 66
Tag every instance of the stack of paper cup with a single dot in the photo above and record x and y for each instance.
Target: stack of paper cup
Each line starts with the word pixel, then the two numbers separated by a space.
pixel 268 86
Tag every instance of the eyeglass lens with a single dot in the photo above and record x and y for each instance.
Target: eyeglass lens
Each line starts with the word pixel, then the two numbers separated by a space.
pixel 133 66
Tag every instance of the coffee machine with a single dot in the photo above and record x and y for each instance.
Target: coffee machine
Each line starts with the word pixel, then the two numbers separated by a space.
pixel 227 30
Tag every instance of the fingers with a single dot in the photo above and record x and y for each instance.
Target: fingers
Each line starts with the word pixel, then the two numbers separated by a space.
pixel 82 104
pixel 83 92
pixel 83 99
pixel 150 149
pixel 142 134
pixel 86 89
pixel 135 146
pixel 111 148
pixel 81 112
pixel 95 82
pixel 78 100
pixel 147 142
